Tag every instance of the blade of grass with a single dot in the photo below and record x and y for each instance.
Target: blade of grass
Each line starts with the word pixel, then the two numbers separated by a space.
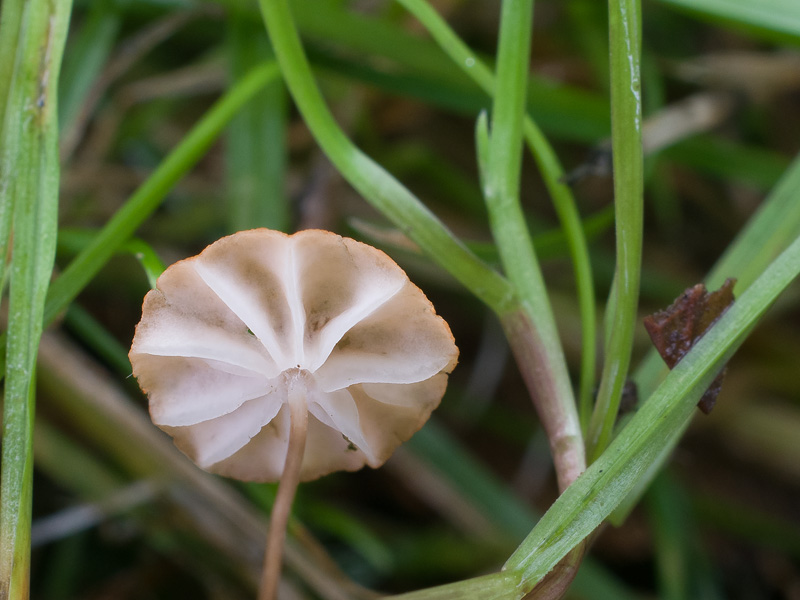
pixel 724 159
pixel 152 192
pixel 568 114
pixel 683 570
pixel 492 497
pixel 495 586
pixel 30 171
pixel 626 139
pixel 87 53
pixel 256 148
pixel 552 173
pixel 10 27
pixel 569 110
pixel 330 22
pixel 75 241
pixel 377 186
pixel 547 377
pixel 586 503
pixel 666 511
pixel 771 229
pixel 561 110
pixel 97 338
pixel 777 20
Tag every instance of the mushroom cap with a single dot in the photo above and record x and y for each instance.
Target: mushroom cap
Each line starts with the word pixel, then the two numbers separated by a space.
pixel 228 332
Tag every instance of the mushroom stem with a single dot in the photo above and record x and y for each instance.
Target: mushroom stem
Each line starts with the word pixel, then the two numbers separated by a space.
pixel 276 536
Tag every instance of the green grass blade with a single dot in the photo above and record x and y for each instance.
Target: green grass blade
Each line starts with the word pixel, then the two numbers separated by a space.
pixel 496 586
pixel 331 23
pixel 552 173
pixel 256 153
pixel 150 195
pixel 30 170
pixel 730 161
pixel 682 566
pixel 586 503
pixel 75 241
pixel 626 140
pixel 377 186
pixel 492 497
pixel 778 20
pixel 770 230
pixel 550 387
pixel 10 26
pixel 86 55
pixel 667 514
pixel 97 338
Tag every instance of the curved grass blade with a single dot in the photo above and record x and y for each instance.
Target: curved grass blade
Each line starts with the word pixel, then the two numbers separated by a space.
pixel 373 182
pixel 552 173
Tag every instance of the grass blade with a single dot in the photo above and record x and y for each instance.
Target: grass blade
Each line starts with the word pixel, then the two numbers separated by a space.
pixel 377 186
pixel 586 503
pixel 150 195
pixel 778 20
pixel 626 140
pixel 31 177
pixel 88 52
pixel 256 150
pixel 547 377
pixel 552 172
pixel 771 229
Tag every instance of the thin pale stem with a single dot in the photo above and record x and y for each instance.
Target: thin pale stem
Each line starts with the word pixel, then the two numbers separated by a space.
pixel 276 536
pixel 561 425
pixel 533 339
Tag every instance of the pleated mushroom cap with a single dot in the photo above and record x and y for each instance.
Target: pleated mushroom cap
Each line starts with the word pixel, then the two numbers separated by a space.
pixel 227 333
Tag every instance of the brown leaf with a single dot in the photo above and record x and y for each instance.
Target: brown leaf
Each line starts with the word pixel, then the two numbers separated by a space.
pixel 677 328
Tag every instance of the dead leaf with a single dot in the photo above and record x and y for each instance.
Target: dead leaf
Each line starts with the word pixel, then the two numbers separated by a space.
pixel 677 328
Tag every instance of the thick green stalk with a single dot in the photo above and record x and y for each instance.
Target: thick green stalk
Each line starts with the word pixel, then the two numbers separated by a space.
pixel 30 171
pixel 626 140
pixel 552 173
pixel 377 186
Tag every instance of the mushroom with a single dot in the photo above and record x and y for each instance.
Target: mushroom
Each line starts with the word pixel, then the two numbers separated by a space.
pixel 274 357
